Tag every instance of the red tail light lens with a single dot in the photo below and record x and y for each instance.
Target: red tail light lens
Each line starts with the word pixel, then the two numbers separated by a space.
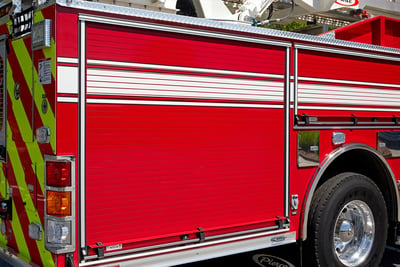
pixel 58 174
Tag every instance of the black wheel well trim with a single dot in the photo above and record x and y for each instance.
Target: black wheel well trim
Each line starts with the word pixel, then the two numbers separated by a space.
pixel 321 170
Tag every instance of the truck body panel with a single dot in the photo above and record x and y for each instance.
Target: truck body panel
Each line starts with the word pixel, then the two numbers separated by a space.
pixel 184 138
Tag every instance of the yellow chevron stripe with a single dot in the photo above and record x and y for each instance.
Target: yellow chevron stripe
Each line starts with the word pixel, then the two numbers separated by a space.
pixel 48 119
pixel 25 62
pixel 4 194
pixel 35 155
pixel 22 120
pixel 23 188
pixel 19 237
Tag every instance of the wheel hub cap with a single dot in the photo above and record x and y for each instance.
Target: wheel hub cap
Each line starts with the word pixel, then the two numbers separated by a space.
pixel 346 231
pixel 354 233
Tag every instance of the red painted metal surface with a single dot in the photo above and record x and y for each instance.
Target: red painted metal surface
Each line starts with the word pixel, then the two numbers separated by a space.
pixel 156 171
pixel 156 47
pixel 380 30
pixel 339 66
pixel 163 170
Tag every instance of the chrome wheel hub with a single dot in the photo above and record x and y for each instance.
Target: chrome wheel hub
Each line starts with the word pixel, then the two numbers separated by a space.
pixel 354 233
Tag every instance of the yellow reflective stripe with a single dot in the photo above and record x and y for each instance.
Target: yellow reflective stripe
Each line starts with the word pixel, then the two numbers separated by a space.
pixel 19 237
pixel 25 62
pixel 35 155
pixel 4 194
pixel 21 117
pixel 48 119
pixel 3 183
pixel 23 189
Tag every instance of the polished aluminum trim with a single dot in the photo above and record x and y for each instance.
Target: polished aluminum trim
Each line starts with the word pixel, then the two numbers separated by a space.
pixel 326 163
pixel 82 133
pixel 336 81
pixel 295 82
pixel 201 251
pixel 68 60
pixel 287 97
pixel 66 99
pixel 184 242
pixel 218 25
pixel 178 103
pixel 74 99
pixel 350 108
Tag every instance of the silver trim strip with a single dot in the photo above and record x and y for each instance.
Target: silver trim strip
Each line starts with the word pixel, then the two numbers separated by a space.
pixel 334 81
pixel 178 103
pixel 68 60
pixel 67 99
pixel 183 242
pixel 295 81
pixel 349 108
pixel 287 97
pixel 82 133
pixel 71 99
pixel 201 251
pixel 326 163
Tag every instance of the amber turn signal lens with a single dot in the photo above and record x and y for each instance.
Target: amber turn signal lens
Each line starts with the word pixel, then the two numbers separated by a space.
pixel 58 203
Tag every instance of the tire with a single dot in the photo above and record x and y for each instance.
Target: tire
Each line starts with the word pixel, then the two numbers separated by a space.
pixel 348 223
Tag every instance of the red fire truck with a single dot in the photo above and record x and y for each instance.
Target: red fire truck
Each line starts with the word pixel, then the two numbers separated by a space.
pixel 139 138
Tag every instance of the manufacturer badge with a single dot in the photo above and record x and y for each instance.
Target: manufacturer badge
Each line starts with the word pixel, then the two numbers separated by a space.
pixel 268 260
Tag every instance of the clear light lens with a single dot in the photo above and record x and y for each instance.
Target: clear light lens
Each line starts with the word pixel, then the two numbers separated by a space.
pixel 58 232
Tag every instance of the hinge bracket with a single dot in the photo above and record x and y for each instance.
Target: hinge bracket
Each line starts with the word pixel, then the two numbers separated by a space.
pixel 201 235
pixel 282 223
pixel 100 250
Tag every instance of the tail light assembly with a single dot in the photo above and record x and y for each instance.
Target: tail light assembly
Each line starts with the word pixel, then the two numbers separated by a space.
pixel 60 232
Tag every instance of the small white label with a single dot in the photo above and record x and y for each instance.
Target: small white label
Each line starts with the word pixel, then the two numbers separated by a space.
pixel 45 72
pixel 314 148
pixel 347 2
pixel 313 119
pixel 114 247
pixel 382 144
